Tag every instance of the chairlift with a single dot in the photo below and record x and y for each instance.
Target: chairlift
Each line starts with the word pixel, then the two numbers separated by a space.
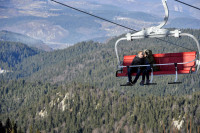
pixel 168 63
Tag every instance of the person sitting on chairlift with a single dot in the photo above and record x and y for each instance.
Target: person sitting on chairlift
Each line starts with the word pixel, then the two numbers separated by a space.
pixel 138 60
pixel 148 60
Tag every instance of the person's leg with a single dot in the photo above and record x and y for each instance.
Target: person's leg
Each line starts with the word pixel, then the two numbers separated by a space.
pixel 144 72
pixel 129 69
pixel 147 75
pixel 137 75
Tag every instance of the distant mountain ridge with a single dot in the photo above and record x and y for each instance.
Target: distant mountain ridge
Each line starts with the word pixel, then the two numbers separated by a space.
pixel 62 26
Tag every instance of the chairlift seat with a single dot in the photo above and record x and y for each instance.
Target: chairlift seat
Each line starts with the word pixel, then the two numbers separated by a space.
pixel 164 58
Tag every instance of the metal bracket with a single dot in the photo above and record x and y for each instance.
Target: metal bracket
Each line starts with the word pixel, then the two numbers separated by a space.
pixel 176 71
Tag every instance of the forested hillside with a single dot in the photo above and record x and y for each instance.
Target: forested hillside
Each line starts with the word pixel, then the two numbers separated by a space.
pixel 13 53
pixel 95 63
pixel 75 90
pixel 78 107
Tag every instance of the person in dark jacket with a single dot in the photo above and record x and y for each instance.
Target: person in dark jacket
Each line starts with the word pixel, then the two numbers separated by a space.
pixel 148 60
pixel 149 56
pixel 138 60
pixel 147 69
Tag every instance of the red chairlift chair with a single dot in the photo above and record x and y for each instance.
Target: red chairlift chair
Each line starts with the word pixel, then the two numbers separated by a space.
pixel 168 63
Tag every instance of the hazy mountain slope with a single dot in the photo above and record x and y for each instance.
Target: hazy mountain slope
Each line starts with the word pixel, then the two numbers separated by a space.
pixel 155 6
pixel 185 23
pixel 16 37
pixel 59 26
pixel 66 28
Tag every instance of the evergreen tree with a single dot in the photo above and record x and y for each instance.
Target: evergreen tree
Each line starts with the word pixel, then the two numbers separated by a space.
pixel 8 125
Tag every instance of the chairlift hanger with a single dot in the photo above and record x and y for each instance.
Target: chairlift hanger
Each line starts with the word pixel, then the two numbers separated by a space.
pixel 159 32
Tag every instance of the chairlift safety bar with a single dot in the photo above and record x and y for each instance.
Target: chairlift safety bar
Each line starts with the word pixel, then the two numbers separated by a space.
pixel 159 64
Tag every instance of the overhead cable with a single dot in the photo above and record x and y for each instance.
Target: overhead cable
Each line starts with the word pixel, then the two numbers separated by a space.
pixel 93 15
pixel 111 21
pixel 187 4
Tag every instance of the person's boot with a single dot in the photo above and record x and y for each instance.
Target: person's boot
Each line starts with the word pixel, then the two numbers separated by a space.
pixel 142 83
pixel 133 82
pixel 147 82
pixel 129 84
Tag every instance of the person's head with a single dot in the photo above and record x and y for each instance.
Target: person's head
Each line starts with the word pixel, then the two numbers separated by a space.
pixel 147 53
pixel 140 54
